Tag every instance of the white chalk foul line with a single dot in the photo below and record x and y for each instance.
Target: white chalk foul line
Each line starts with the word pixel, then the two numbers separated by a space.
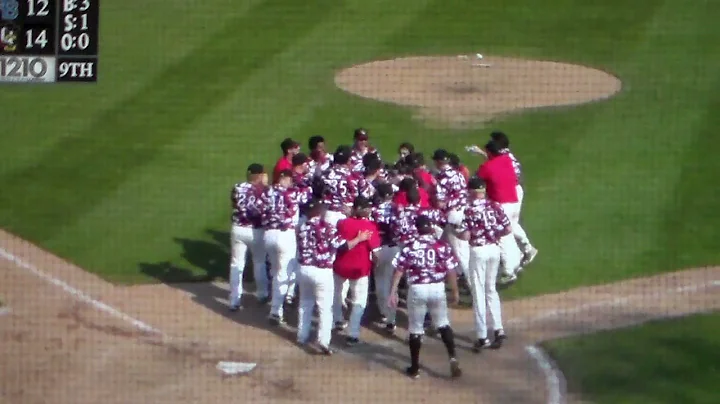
pixel 554 378
pixel 79 295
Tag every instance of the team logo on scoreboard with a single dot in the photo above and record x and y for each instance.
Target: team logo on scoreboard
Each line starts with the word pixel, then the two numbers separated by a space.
pixel 8 37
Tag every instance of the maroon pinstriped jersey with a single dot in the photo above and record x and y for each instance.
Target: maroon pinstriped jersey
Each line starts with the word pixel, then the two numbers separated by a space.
pixel 302 187
pixel 342 186
pixel 486 221
pixel 451 188
pixel 322 164
pixel 356 158
pixel 382 216
pixel 280 208
pixel 245 199
pixel 318 242
pixel 425 260
pixel 402 221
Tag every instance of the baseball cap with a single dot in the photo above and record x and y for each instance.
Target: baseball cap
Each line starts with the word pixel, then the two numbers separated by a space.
pixel 423 222
pixel 361 134
pixel 441 155
pixel 342 154
pixel 255 168
pixel 314 203
pixel 476 183
pixel 362 203
pixel 288 144
pixel 299 159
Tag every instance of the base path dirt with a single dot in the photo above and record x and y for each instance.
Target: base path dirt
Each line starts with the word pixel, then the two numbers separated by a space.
pixel 162 342
pixel 462 91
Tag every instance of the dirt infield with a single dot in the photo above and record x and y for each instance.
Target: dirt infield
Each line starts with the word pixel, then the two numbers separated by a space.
pixel 464 91
pixel 57 346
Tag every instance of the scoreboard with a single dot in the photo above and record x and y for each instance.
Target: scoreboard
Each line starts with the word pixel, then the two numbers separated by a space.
pixel 49 41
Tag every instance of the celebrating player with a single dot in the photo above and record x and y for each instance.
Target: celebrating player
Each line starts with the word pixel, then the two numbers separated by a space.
pixel 360 148
pixel 320 159
pixel 483 225
pixel 427 263
pixel 318 242
pixel 342 186
pixel 247 233
pixel 352 267
pixel 382 215
pixel 289 148
pixel 280 214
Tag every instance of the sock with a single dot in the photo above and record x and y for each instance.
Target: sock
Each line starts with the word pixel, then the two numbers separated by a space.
pixel 415 345
pixel 446 333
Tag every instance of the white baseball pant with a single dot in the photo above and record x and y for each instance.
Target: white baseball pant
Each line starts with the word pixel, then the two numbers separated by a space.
pixel 511 244
pixel 384 271
pixel 424 298
pixel 316 288
pixel 359 290
pixel 461 248
pixel 520 194
pixel 281 247
pixel 484 264
pixel 242 239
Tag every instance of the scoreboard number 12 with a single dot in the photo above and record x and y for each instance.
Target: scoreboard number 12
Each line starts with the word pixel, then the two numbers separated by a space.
pixel 38 8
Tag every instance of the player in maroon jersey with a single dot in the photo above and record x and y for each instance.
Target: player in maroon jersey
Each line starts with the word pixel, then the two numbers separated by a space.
pixel 427 263
pixel 382 215
pixel 484 224
pixel 302 178
pixel 360 148
pixel 320 159
pixel 403 218
pixel 342 186
pixel 247 234
pixel 318 242
pixel 279 217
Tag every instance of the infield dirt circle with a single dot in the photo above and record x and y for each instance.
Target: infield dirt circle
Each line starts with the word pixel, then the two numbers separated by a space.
pixel 462 91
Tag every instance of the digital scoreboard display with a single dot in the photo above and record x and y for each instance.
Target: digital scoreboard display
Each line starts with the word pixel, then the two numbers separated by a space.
pixel 49 41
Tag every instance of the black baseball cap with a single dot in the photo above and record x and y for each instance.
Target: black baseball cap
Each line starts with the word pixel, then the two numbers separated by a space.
pixel 423 223
pixel 361 134
pixel 299 159
pixel 342 154
pixel 288 144
pixel 362 203
pixel 476 183
pixel 255 168
pixel 441 155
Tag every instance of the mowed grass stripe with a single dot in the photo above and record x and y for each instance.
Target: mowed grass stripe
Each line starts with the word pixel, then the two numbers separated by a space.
pixel 609 194
pixel 196 171
pixel 82 170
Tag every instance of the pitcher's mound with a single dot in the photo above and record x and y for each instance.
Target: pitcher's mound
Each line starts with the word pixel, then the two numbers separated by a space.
pixel 463 91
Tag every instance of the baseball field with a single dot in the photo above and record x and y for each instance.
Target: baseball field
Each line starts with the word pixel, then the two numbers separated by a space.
pixel 114 197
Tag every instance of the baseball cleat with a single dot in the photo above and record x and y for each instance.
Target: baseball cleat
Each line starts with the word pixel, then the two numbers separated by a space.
pixel 500 336
pixel 351 341
pixel 480 344
pixel 326 350
pixel 390 328
pixel 383 320
pixel 506 279
pixel 274 320
pixel 412 372
pixel 235 307
pixel 529 256
pixel 455 370
pixel 340 325
pixel 290 300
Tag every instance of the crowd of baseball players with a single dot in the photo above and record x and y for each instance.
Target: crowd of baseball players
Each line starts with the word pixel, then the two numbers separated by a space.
pixel 330 225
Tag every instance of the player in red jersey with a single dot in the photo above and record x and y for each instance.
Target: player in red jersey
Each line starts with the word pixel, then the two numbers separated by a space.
pixel 352 267
pixel 318 242
pixel 427 263
pixel 360 148
pixel 484 224
pixel 342 186
pixel 279 217
pixel 247 234
pixel 289 148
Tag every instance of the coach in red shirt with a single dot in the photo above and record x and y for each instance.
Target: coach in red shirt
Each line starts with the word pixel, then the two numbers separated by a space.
pixel 289 148
pixel 352 267
pixel 405 185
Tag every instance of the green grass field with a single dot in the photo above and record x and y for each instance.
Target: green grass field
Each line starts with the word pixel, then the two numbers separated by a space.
pixel 135 171
pixel 670 361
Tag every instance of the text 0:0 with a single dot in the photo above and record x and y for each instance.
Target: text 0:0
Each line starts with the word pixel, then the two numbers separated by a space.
pixel 68 41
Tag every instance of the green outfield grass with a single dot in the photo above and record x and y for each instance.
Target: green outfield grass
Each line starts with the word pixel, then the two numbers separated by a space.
pixel 135 171
pixel 670 361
